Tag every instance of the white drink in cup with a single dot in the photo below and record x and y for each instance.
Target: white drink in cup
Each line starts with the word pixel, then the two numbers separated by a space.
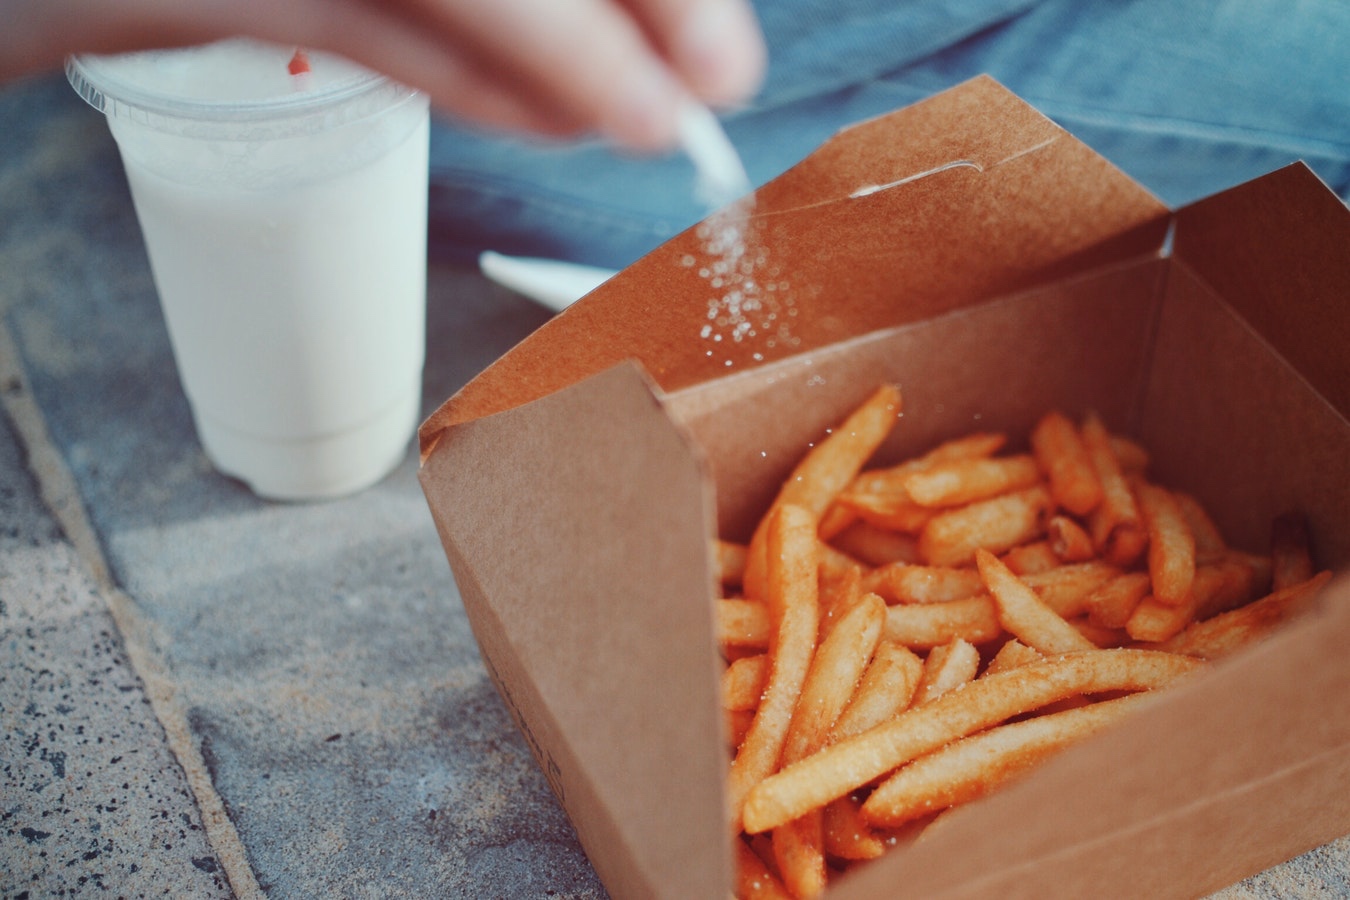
pixel 285 219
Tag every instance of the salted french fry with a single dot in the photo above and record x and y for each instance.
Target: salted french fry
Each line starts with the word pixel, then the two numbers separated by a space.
pixel 960 481
pixel 887 687
pixel 1059 449
pixel 1065 589
pixel 947 667
pixel 754 880
pixel 951 537
pixel 1217 587
pixel 1012 654
pixel 799 851
pixel 730 560
pixel 1171 544
pixel 1209 542
pixel 1098 636
pixel 1111 603
pixel 836 668
pixel 1226 632
pixel 1028 559
pixel 974 766
pixel 890 512
pixel 743 682
pixel 851 763
pixel 847 836
pixel 834 563
pixel 1069 540
pixel 738 725
pixel 1290 551
pixel 875 546
pixel 742 623
pixel 923 626
pixel 826 469
pixel 1116 526
pixel 904 583
pixel 791 595
pixel 837 596
pixel 1023 613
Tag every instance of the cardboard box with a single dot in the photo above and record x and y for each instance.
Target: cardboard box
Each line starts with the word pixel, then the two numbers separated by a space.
pixel 1007 270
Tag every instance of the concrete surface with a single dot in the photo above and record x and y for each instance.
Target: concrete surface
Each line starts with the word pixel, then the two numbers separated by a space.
pixel 203 694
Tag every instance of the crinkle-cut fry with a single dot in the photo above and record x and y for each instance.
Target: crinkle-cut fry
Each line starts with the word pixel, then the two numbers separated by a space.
pixel 743 682
pixel 791 595
pixel 754 879
pixel 1209 542
pixel 1116 527
pixel 828 468
pixel 1059 449
pixel 957 482
pixel 998 524
pixel 1218 586
pixel 1069 540
pixel 972 767
pixel 1065 589
pixel 1229 631
pixel 1171 544
pixel 730 560
pixel 923 626
pixel 1291 555
pixel 835 671
pixel 1024 614
pixel 887 687
pixel 742 623
pixel 1012 654
pixel 875 546
pixel 904 583
pixel 849 764
pixel 1111 603
pixel 847 836
pixel 947 668
pixel 1028 559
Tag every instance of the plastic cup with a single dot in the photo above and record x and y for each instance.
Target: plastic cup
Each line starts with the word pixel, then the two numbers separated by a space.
pixel 285 219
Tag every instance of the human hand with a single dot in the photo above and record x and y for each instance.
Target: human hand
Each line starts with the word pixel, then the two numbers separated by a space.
pixel 551 67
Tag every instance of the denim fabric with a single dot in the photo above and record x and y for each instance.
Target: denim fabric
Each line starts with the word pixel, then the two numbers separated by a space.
pixel 1187 97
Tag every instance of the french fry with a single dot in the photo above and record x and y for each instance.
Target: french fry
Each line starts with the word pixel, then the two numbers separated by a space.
pixel 875 546
pixel 827 469
pixel 1012 654
pixel 742 623
pixel 1024 614
pixel 847 836
pixel 960 481
pixel 1065 589
pixel 1059 449
pixel 1028 559
pixel 1171 544
pixel 730 560
pixel 754 880
pixel 923 626
pixel 1131 455
pixel 887 687
pixel 951 537
pixel 1111 603
pixel 1226 632
pixel 849 764
pixel 791 595
pixel 974 766
pixel 1209 542
pixel 1070 541
pixel 799 851
pixel 1217 587
pixel 904 583
pixel 743 682
pixel 1116 527
pixel 947 667
pixel 1290 551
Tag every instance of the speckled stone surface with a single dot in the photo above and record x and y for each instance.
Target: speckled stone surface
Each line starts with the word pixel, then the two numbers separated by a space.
pixel 323 724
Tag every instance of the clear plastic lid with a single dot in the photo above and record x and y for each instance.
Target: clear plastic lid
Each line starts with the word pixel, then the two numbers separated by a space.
pixel 212 90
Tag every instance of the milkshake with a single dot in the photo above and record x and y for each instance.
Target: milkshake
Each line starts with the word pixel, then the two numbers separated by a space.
pixel 284 212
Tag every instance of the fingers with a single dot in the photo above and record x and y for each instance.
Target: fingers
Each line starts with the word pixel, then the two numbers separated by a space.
pixel 715 46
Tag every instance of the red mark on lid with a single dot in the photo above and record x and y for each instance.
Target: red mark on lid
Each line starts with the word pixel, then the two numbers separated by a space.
pixel 299 63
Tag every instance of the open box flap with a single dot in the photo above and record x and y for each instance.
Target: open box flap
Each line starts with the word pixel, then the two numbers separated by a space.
pixel 967 195
pixel 577 527
pixel 1277 249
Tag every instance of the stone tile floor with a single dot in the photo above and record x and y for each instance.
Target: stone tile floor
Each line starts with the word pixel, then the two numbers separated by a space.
pixel 202 694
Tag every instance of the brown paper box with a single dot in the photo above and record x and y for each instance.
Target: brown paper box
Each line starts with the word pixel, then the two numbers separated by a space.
pixel 573 487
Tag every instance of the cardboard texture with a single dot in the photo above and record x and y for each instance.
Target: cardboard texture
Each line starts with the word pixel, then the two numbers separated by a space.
pixel 576 484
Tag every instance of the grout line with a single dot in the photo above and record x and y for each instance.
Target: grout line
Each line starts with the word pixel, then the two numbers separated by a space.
pixel 60 493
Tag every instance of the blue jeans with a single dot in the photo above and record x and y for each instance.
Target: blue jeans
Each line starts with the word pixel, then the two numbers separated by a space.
pixel 1187 96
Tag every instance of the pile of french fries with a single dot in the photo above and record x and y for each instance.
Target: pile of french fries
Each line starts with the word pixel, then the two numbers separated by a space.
pixel 904 639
